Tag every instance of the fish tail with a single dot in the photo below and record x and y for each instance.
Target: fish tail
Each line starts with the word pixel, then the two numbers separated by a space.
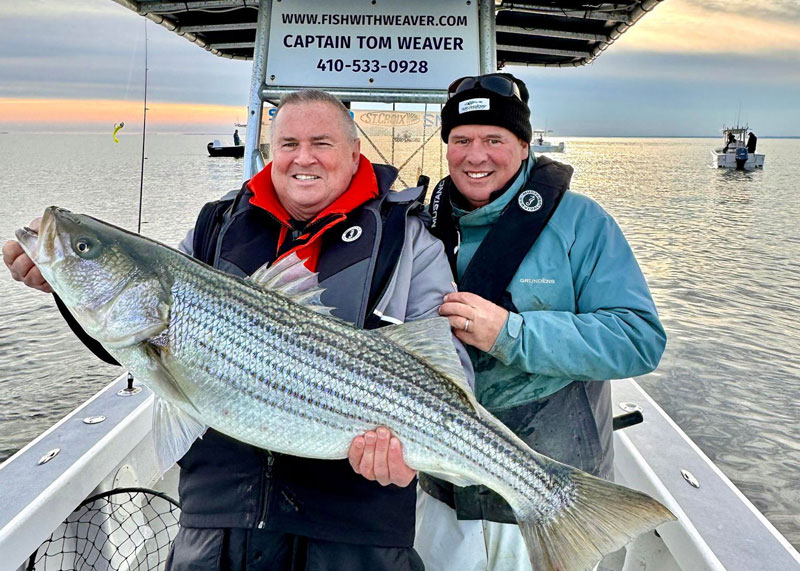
pixel 601 519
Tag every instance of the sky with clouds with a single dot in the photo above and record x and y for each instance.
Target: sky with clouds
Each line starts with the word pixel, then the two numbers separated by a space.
pixel 684 69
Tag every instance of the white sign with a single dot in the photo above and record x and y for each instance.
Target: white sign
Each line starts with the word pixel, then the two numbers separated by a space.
pixel 419 44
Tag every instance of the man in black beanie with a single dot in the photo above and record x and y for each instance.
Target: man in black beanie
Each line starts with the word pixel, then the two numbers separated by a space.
pixel 551 305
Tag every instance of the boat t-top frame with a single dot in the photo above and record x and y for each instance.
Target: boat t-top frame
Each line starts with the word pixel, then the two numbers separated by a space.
pixel 739 132
pixel 523 32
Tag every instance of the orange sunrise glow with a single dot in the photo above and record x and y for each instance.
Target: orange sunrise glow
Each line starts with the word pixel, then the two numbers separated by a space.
pixel 92 113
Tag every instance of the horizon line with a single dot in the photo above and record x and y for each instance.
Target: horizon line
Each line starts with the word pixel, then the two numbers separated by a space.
pixel 133 133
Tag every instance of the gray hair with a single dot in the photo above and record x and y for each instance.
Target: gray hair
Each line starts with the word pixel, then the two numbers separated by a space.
pixel 305 96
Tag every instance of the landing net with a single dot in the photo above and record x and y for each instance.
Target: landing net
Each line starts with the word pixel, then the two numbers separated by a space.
pixel 126 528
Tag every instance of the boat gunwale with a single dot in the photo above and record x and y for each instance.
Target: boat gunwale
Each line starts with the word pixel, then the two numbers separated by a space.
pixel 729 539
pixel 32 506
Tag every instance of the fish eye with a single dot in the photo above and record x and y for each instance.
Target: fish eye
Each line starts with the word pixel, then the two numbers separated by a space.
pixel 85 247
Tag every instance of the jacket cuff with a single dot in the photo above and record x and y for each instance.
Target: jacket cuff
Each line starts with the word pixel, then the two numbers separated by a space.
pixel 507 338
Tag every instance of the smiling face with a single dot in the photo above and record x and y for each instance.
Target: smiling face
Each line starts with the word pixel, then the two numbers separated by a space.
pixel 314 157
pixel 482 159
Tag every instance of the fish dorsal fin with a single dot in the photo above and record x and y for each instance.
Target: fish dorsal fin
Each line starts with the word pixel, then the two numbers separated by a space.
pixel 431 340
pixel 291 278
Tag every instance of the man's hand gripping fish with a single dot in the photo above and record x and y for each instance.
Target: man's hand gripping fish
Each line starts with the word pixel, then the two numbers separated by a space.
pixel 262 361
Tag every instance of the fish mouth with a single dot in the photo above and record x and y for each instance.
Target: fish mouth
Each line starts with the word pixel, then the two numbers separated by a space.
pixel 28 238
pixel 32 240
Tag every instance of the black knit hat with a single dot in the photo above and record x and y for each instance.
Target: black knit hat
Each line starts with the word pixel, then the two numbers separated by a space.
pixel 481 106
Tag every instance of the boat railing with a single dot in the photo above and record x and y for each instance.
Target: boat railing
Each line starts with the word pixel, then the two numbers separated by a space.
pixel 718 528
pixel 103 444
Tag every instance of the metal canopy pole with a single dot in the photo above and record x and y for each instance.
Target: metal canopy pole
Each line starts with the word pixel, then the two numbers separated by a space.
pixel 253 162
pixel 488 36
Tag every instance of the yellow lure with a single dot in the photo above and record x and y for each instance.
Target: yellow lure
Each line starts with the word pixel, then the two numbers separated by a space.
pixel 116 130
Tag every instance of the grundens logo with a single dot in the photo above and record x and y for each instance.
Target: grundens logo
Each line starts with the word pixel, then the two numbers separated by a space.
pixel 373 20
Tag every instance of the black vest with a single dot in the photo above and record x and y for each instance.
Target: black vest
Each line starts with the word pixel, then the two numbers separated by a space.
pixel 225 483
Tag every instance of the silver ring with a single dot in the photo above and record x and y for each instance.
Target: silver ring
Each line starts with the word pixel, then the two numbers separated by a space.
pixel 466 325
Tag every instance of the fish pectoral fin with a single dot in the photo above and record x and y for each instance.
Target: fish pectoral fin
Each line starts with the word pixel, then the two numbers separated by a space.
pixel 290 277
pixel 174 429
pixel 174 432
pixel 431 340
pixel 159 374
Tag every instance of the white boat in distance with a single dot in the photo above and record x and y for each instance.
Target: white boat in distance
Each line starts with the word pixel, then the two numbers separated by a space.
pixel 540 145
pixel 87 494
pixel 734 154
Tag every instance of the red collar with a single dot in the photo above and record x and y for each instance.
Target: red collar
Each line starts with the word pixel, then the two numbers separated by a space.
pixel 363 187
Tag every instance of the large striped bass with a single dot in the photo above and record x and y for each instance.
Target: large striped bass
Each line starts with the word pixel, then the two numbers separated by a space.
pixel 260 361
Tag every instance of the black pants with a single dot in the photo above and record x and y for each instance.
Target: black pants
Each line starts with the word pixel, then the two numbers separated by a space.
pixel 198 549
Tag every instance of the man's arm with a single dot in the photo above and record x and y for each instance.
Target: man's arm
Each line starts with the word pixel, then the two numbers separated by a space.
pixel 614 333
pixel 422 279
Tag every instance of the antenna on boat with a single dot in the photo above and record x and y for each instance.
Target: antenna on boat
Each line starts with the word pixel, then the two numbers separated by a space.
pixel 144 133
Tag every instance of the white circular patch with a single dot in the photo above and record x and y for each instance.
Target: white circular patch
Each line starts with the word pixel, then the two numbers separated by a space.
pixel 530 201
pixel 352 234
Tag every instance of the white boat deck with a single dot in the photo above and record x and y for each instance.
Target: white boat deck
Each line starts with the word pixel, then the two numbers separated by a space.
pixel 718 528
pixel 548 147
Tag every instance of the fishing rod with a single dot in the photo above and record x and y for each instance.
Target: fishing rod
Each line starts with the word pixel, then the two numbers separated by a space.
pixel 144 134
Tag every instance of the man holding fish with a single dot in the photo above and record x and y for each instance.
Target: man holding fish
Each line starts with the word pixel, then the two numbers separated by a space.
pixel 321 200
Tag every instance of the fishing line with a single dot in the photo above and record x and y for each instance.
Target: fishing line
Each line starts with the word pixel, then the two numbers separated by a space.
pixel 130 68
pixel 144 133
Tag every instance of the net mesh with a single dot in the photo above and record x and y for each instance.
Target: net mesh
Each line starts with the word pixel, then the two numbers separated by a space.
pixel 126 528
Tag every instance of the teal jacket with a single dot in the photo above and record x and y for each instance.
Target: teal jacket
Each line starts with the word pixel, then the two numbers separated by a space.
pixel 585 311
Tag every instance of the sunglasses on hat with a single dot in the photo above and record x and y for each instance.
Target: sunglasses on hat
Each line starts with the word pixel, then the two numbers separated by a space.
pixel 495 83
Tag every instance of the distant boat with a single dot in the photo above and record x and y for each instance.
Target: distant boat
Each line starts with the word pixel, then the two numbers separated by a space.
pixel 734 154
pixel 217 149
pixel 540 145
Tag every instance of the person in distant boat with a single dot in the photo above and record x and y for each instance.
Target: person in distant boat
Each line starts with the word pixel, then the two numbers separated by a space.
pixel 247 508
pixel 236 140
pixel 751 143
pixel 731 141
pixel 551 305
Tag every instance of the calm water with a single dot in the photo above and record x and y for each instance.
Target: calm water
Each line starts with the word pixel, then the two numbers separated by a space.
pixel 721 251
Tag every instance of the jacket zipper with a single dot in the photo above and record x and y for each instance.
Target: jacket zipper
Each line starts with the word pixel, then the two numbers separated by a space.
pixel 265 494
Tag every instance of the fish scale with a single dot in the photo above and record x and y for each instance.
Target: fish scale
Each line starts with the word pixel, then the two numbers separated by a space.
pixel 379 401
pixel 245 359
pixel 378 398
